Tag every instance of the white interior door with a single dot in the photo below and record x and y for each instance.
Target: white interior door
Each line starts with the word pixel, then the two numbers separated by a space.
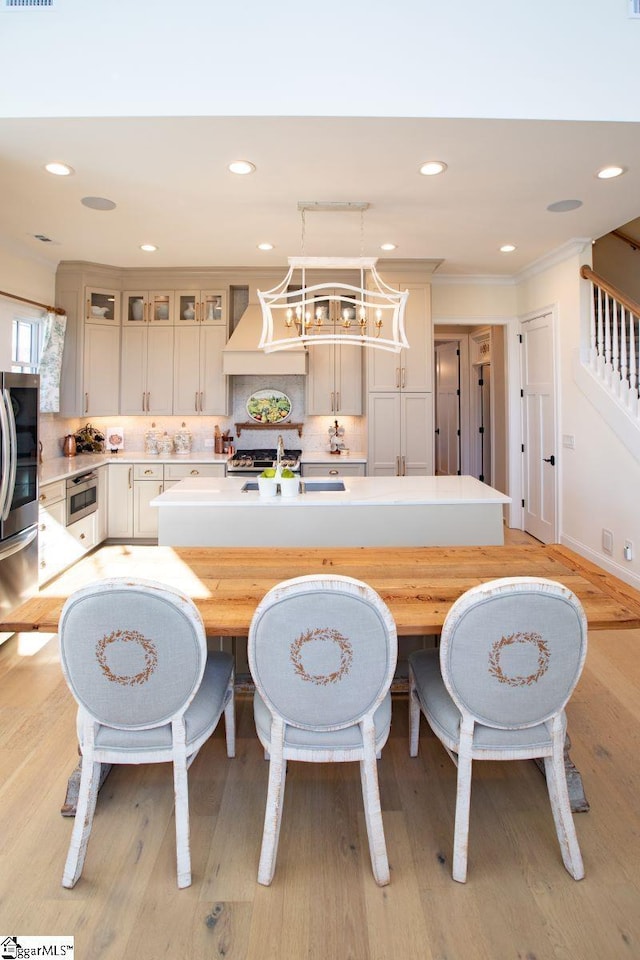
pixel 539 428
pixel 447 408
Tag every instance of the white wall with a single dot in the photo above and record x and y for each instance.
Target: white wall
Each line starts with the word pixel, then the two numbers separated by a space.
pixel 438 58
pixel 599 479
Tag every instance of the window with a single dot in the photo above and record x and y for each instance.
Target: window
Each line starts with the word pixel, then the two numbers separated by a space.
pixel 26 345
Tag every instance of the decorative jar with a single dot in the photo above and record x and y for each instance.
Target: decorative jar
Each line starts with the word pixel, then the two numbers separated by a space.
pixel 137 308
pixel 189 313
pixel 182 440
pixel 165 444
pixel 151 438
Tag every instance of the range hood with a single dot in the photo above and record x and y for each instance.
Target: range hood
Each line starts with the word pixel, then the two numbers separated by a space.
pixel 242 357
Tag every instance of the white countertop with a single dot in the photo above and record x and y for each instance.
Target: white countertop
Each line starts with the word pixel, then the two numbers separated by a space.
pixel 369 491
pixel 62 467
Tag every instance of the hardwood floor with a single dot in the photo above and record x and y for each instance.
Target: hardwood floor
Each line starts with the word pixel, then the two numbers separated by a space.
pixel 518 904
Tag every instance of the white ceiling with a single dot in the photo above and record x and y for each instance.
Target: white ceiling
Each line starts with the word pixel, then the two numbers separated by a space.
pixel 169 179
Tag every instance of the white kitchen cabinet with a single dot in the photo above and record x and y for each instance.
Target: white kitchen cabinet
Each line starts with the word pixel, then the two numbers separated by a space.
pixel 334 381
pixel 199 385
pixel 140 307
pixel 51 530
pixel 201 307
pixel 102 512
pixel 120 501
pixel 90 378
pixel 400 434
pixel 147 370
pixel 145 518
pixel 333 469
pixel 411 369
pixel 83 534
pixel 181 471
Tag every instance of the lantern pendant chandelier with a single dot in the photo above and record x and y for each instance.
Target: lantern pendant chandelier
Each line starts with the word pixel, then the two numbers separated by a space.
pixel 371 314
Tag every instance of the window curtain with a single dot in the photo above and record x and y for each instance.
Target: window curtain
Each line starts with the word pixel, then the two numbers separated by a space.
pixel 50 366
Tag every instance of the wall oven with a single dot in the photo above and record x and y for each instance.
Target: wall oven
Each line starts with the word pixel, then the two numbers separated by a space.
pixel 82 496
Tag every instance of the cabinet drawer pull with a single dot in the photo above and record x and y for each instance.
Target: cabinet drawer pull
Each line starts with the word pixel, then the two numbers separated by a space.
pixel 42 497
pixel 43 526
pixel 397 376
pixel 195 473
pixel 196 402
pixel 130 473
pixel 83 536
pixel 43 564
pixel 86 403
pixel 148 472
pixel 333 473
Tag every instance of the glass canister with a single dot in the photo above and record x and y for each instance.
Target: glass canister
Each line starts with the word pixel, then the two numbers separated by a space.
pixel 182 440
pixel 165 444
pixel 151 438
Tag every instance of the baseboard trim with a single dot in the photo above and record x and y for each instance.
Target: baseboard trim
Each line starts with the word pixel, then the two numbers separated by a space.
pixel 602 560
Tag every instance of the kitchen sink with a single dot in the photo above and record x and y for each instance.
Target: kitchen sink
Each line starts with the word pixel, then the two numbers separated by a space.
pixel 308 486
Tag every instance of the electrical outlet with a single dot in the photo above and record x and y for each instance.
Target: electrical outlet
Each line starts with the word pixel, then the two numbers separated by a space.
pixel 208 444
pixel 607 541
pixel 628 550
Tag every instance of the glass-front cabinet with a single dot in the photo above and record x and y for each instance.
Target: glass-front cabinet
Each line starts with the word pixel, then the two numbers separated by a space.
pixel 102 306
pixel 144 306
pixel 201 306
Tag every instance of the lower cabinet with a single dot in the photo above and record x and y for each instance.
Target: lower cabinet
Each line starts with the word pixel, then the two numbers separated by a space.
pixel 333 469
pixel 60 545
pixel 132 487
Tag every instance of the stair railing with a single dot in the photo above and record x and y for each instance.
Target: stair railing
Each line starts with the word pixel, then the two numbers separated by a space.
pixel 614 349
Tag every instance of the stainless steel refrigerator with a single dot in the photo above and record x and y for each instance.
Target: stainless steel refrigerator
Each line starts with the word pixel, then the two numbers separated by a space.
pixel 19 406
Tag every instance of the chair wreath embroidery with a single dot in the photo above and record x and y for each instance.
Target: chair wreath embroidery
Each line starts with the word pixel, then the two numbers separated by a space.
pixel 127 636
pixel 327 635
pixel 518 680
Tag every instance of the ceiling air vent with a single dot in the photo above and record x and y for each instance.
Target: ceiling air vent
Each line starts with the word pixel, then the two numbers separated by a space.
pixel 28 3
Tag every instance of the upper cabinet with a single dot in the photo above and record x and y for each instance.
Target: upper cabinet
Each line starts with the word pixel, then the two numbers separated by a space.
pixel 334 381
pixel 151 307
pixel 102 306
pixel 90 378
pixel 411 369
pixel 201 306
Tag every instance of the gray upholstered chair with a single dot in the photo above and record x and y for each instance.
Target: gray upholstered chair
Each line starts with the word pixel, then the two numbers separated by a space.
pixel 511 653
pixel 134 654
pixel 322 653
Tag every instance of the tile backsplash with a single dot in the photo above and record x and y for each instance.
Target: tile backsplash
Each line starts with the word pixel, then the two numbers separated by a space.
pixel 315 436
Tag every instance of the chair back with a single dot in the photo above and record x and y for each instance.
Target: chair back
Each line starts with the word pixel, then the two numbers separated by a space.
pixel 132 652
pixel 512 650
pixel 322 651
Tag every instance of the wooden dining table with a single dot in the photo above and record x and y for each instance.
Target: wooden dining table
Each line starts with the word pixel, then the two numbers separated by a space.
pixel 419 584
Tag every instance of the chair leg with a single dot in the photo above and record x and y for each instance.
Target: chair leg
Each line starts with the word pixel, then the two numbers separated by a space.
pixel 85 808
pixel 373 810
pixel 562 816
pixel 181 801
pixel 414 716
pixel 275 799
pixel 463 802
pixel 230 717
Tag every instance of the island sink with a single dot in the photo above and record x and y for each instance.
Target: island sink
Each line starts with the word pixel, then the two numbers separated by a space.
pixel 310 486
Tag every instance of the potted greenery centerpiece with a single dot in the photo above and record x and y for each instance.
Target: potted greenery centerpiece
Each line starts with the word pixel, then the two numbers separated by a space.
pixel 267 486
pixel 289 483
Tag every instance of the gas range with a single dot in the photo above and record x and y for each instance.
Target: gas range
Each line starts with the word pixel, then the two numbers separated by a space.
pixel 250 462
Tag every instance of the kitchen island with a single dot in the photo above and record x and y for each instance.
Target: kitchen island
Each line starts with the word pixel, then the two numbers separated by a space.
pixel 362 511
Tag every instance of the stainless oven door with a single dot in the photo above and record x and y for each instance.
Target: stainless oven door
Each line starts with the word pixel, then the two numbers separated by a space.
pixel 82 496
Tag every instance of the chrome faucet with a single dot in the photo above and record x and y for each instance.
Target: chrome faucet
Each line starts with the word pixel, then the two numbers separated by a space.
pixel 279 451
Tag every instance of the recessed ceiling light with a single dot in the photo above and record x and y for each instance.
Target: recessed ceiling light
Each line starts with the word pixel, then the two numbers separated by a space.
pixel 148 247
pixel 507 248
pixel 608 173
pixel 265 246
pixel 98 203
pixel 388 246
pixel 59 169
pixel 432 168
pixel 563 206
pixel 242 167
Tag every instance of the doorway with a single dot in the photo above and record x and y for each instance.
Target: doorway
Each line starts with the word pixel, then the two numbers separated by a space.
pixel 447 408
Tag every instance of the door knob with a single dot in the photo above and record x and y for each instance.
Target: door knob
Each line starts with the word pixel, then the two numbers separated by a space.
pixel 551 460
